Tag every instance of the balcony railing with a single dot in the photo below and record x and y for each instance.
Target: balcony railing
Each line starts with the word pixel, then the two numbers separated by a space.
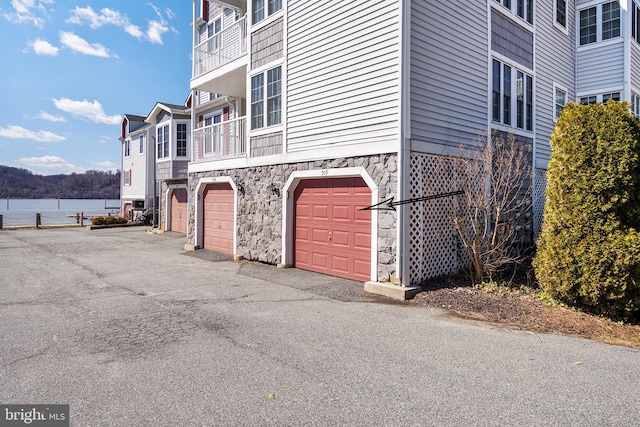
pixel 221 48
pixel 221 140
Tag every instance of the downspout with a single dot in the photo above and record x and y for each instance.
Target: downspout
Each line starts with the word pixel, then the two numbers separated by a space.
pixel 155 185
pixel 404 150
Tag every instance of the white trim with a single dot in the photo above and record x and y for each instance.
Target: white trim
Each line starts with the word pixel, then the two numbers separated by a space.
pixel 288 209
pixel 198 231
pixel 167 199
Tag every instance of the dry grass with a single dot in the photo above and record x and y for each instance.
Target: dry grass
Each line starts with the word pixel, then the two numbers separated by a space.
pixel 523 310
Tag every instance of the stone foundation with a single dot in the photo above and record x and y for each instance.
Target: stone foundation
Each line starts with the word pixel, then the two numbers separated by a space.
pixel 259 222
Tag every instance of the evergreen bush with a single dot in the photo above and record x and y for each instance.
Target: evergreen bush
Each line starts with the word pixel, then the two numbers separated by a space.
pixel 588 252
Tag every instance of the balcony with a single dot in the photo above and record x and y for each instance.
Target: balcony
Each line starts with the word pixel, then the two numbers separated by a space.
pixel 220 141
pixel 222 48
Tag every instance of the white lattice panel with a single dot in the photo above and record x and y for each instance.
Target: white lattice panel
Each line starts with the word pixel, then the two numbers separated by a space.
pixel 539 200
pixel 434 244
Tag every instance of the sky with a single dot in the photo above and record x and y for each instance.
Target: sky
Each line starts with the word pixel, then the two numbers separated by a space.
pixel 69 70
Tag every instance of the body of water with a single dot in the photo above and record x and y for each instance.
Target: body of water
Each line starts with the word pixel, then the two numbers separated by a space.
pixel 17 212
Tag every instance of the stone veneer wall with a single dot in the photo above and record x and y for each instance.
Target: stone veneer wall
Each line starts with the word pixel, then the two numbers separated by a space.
pixel 259 222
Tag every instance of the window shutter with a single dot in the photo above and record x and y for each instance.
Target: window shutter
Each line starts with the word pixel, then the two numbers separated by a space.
pixel 205 10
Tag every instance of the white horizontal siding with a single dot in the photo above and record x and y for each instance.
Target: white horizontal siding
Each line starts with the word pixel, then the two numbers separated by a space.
pixel 555 63
pixel 635 64
pixel 449 71
pixel 600 67
pixel 342 73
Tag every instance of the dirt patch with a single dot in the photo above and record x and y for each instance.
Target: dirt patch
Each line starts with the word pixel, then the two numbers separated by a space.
pixel 523 311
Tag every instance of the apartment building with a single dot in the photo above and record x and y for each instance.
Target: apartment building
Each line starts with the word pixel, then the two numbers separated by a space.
pixel 326 111
pixel 137 166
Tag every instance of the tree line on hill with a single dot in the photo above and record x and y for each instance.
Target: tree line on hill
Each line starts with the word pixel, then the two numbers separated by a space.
pixel 17 183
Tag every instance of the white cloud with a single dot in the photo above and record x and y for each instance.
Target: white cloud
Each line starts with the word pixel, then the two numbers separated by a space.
pixel 28 12
pixel 84 109
pixel 80 45
pixel 103 139
pixel 105 166
pixel 155 31
pixel 18 132
pixel 155 28
pixel 50 117
pixel 51 165
pixel 43 47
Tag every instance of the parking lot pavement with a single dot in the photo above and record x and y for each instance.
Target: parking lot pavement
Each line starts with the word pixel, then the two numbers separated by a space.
pixel 130 330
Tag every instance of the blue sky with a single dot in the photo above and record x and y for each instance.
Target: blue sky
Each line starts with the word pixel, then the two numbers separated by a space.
pixel 71 69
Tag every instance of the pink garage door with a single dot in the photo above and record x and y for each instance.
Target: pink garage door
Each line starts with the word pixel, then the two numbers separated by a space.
pixel 332 234
pixel 179 210
pixel 218 218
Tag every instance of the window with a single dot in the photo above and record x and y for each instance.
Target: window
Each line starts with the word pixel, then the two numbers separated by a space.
pixel 613 95
pixel 141 144
pixel 274 96
pixel 259 6
pixel 127 147
pixel 212 137
pixel 561 13
pixel 523 8
pixel 610 20
pixel 181 139
pixel 635 104
pixel 507 81
pixel 560 100
pixel 609 16
pixel 635 21
pixel 588 26
pixel 214 28
pixel 163 141
pixel 269 106
pixel 127 177
pixel 588 100
pixel 257 105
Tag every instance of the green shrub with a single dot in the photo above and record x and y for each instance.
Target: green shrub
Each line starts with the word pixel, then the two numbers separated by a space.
pixel 109 220
pixel 589 248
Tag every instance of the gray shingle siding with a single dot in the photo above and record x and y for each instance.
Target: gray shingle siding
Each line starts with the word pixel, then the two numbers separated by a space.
pixel 267 44
pixel 511 40
pixel 265 145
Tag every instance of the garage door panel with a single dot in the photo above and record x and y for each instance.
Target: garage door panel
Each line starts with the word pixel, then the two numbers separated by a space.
pixel 320 236
pixel 362 240
pixel 320 260
pixel 327 210
pixel 340 238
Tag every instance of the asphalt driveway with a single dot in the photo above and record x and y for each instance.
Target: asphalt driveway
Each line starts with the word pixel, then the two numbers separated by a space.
pixel 130 330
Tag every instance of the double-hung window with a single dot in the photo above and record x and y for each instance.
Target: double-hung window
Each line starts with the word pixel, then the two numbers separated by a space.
pixel 512 96
pixel 181 139
pixel 559 100
pixel 635 104
pixel 163 141
pixel 141 144
pixel 606 17
pixel 264 8
pixel 127 147
pixel 266 100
